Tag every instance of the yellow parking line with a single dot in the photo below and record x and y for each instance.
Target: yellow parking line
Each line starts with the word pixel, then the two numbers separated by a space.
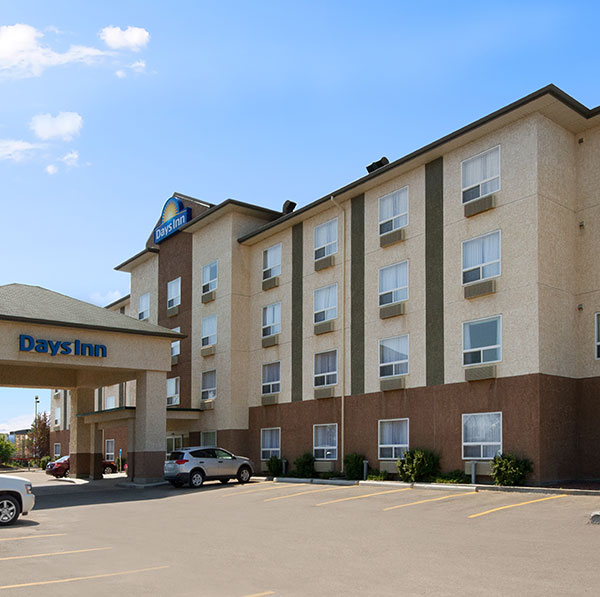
pixel 63 580
pixel 260 594
pixel 291 495
pixel 54 553
pixel 437 499
pixel 33 537
pixel 280 486
pixel 360 497
pixel 552 497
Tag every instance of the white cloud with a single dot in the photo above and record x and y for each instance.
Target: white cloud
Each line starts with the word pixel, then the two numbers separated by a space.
pixel 22 55
pixel 51 169
pixel 121 74
pixel 105 299
pixel 15 150
pixel 139 66
pixel 16 423
pixel 63 126
pixel 132 38
pixel 71 159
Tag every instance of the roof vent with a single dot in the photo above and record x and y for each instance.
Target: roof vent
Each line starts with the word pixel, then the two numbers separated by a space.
pixel 288 207
pixel 379 164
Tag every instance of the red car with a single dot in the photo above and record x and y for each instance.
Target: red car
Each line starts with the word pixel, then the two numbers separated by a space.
pixel 60 467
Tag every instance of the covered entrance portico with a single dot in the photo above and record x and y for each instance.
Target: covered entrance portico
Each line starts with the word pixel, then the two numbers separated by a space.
pixel 48 340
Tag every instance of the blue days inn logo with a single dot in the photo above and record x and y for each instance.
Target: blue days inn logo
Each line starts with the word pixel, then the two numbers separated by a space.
pixel 173 217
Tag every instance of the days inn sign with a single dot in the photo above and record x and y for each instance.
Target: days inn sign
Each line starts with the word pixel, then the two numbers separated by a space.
pixel 58 347
pixel 174 215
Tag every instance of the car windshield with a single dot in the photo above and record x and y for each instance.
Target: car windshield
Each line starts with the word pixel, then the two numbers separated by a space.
pixel 63 459
pixel 176 456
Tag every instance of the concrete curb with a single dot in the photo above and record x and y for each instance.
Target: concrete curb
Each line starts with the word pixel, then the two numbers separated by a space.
pixel 132 485
pixel 314 481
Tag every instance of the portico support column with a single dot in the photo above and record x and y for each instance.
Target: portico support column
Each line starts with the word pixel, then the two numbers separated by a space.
pixel 150 427
pixel 82 401
pixel 97 449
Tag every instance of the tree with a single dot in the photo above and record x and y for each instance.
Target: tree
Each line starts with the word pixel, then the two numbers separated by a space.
pixel 6 449
pixel 40 435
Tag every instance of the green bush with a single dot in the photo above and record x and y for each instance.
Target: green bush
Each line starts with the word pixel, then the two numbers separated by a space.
pixel 353 466
pixel 120 463
pixel 305 465
pixel 44 460
pixel 455 476
pixel 508 469
pixel 375 475
pixel 275 466
pixel 6 450
pixel 418 465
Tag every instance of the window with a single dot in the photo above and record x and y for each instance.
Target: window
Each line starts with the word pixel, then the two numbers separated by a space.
pixel 272 262
pixel 326 368
pixel 481 258
pixel 482 341
pixel 325 303
pixel 208 438
pixel 481 175
pixel 174 293
pixel 174 442
pixel 326 239
pixel 481 435
pixel 393 356
pixel 209 330
pixel 56 450
pixel 271 378
pixel 144 306
pixel 209 384
pixel 109 402
pixel 172 391
pixel 393 283
pixel 57 415
pixel 209 277
pixel 393 438
pixel 109 449
pixel 325 442
pixel 393 211
pixel 270 443
pixel 271 320
pixel 598 335
pixel 176 344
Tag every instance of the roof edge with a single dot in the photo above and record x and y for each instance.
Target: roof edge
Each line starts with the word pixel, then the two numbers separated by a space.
pixel 136 256
pixel 120 300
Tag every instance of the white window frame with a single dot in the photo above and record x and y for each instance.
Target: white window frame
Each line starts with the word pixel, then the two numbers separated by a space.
pixel 57 415
pixel 205 392
pixel 597 336
pixel 173 439
pixel 477 155
pixel 212 283
pixel 482 265
pixel 393 363
pixel 173 399
pixel 271 271
pixel 174 293
pixel 271 451
pixel 396 217
pixel 271 383
pixel 203 441
pixel 404 447
pixel 54 450
pixel 106 452
pixel 394 290
pixel 499 346
pixel 325 448
pixel 176 344
pixel 327 309
pixel 273 328
pixel 462 428
pixel 326 385
pixel 209 337
pixel 326 245
pixel 144 314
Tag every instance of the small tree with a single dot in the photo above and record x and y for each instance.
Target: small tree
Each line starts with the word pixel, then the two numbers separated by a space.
pixel 40 435
pixel 6 450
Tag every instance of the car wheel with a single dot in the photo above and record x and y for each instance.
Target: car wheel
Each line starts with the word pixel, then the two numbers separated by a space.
pixel 244 474
pixel 176 483
pixel 107 470
pixel 66 474
pixel 196 479
pixel 9 510
pixel 224 480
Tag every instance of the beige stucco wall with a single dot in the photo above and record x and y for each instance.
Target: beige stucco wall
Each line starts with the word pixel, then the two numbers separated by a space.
pixel 144 278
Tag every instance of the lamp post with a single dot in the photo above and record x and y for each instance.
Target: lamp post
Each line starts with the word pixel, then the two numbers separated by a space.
pixel 37 401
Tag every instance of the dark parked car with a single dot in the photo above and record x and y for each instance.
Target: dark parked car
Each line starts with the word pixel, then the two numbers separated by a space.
pixel 60 467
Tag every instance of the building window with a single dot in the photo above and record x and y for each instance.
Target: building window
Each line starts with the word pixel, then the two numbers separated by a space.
pixel 109 450
pixel 271 320
pixel 144 306
pixel 174 293
pixel 208 438
pixel 176 344
pixel 209 384
pixel 174 442
pixel 172 391
pixel 56 450
pixel 271 378
pixel 325 303
pixel 481 258
pixel 481 435
pixel 209 330
pixel 57 415
pixel 325 442
pixel 482 341
pixel 598 335
pixel 326 368
pixel 270 443
pixel 326 239
pixel 109 402
pixel 393 211
pixel 481 175
pixel 393 283
pixel 272 262
pixel 209 277
pixel 393 438
pixel 393 356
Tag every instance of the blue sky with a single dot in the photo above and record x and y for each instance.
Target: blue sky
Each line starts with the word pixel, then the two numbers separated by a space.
pixel 106 108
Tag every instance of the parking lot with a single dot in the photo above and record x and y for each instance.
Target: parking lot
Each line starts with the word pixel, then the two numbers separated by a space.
pixel 269 538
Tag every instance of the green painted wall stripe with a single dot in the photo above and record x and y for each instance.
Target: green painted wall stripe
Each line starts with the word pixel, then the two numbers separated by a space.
pixel 357 296
pixel 297 302
pixel 434 272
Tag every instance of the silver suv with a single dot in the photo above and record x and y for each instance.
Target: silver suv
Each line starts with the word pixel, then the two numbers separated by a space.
pixel 199 464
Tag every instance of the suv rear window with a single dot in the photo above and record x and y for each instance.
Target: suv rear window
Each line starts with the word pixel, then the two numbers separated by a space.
pixel 177 456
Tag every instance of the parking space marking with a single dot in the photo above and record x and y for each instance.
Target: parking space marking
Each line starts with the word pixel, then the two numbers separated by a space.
pixel 552 497
pixel 32 537
pixel 360 497
pixel 261 594
pixel 437 499
pixel 54 553
pixel 291 495
pixel 63 580
pixel 282 486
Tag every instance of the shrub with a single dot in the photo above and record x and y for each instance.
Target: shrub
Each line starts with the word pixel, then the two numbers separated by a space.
pixel 305 465
pixel 121 463
pixel 353 465
pixel 6 450
pixel 455 476
pixel 508 469
pixel 375 475
pixel 44 460
pixel 275 466
pixel 418 465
